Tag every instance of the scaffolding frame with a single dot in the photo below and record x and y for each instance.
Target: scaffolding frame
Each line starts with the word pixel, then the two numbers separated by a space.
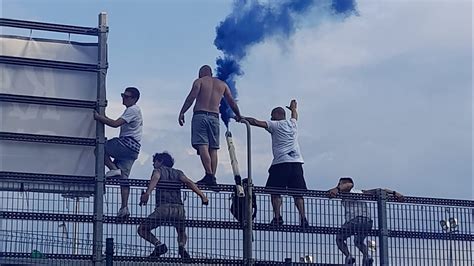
pixel 83 186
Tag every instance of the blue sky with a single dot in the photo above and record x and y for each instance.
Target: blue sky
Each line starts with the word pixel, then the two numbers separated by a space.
pixel 385 97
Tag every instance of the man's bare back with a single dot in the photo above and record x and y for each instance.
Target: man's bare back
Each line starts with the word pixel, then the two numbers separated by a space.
pixel 210 94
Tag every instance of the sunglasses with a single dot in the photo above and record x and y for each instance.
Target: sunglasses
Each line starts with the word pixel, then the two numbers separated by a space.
pixel 125 95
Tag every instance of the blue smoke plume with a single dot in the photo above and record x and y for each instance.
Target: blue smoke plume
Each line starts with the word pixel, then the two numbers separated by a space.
pixel 251 22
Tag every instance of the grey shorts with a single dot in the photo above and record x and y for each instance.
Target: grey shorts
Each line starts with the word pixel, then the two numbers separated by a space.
pixel 205 129
pixel 166 213
pixel 359 226
pixel 123 156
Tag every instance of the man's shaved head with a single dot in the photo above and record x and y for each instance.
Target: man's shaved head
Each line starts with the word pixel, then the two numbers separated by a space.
pixel 278 113
pixel 204 71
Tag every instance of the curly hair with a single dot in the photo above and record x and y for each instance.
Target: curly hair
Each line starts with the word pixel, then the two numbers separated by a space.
pixel 165 158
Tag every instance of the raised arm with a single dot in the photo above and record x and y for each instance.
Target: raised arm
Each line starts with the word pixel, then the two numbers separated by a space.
pixel 397 195
pixel 109 122
pixel 292 107
pixel 254 122
pixel 340 187
pixel 190 184
pixel 155 177
pixel 233 105
pixel 189 101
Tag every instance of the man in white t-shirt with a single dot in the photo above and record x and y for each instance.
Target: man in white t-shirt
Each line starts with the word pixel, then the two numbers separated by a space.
pixel 286 170
pixel 358 222
pixel 124 149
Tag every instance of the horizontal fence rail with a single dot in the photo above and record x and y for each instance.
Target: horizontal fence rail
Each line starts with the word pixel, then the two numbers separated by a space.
pixel 47 139
pixel 33 25
pixel 4 97
pixel 22 61
pixel 59 226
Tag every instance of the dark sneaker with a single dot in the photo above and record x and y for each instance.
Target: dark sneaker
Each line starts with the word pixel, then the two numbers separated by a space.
pixel 209 181
pixel 367 262
pixel 183 253
pixel 159 250
pixel 304 223
pixel 277 221
pixel 350 260
pixel 203 181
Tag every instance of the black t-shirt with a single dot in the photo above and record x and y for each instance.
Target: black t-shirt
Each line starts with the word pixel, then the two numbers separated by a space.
pixel 168 189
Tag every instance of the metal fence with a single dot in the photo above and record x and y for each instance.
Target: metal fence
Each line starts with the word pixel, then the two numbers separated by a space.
pixel 59 226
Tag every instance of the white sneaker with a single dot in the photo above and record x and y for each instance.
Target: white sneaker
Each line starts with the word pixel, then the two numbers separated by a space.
pixel 123 213
pixel 115 172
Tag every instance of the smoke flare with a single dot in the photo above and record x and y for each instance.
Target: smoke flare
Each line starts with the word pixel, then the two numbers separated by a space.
pixel 251 22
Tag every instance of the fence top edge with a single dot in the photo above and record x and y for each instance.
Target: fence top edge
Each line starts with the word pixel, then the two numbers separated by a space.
pixel 324 194
pixel 263 190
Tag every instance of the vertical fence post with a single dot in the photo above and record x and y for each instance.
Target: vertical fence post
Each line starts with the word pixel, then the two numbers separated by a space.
pixel 248 260
pixel 383 226
pixel 109 252
pixel 98 217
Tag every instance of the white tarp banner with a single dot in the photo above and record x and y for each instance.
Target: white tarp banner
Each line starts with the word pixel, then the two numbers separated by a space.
pixel 48 82
pixel 84 53
pixel 46 158
pixel 47 120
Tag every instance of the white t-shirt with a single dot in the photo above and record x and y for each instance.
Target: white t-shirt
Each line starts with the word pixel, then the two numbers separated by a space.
pixel 285 145
pixel 355 208
pixel 133 128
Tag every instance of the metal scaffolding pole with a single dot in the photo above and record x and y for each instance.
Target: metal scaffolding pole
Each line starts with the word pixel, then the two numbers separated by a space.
pixel 100 134
pixel 248 260
pixel 383 226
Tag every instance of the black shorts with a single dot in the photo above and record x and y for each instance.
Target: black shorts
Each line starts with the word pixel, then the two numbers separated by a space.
pixel 286 175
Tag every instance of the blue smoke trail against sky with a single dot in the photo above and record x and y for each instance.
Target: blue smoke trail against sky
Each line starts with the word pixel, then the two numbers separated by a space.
pixel 251 22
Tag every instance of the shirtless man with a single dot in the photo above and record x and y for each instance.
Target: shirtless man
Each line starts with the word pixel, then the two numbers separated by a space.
pixel 208 92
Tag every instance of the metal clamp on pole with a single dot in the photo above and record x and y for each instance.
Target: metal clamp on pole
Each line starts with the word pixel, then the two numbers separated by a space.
pixel 100 105
pixel 248 259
